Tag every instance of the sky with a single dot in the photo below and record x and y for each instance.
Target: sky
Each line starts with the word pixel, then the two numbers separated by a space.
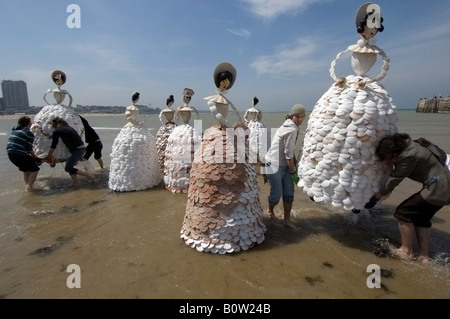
pixel 282 49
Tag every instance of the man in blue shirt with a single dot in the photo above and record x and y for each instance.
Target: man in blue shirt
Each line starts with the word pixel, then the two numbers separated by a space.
pixel 20 151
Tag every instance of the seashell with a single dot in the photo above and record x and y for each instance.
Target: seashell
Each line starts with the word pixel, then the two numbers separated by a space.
pixel 318 124
pixel 336 203
pixel 341 112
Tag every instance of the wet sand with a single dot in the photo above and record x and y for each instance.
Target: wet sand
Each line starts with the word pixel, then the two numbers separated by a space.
pixel 127 246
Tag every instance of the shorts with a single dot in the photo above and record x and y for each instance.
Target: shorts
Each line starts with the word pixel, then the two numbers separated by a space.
pixel 281 185
pixel 94 147
pixel 25 163
pixel 416 210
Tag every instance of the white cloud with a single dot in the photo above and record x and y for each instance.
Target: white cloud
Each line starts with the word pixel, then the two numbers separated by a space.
pixel 290 60
pixel 240 32
pixel 35 77
pixel 271 9
pixel 106 59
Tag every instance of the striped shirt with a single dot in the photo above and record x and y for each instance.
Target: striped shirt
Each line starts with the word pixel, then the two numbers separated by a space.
pixel 20 141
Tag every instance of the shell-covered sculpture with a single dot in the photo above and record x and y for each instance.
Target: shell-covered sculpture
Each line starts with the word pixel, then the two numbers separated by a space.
pixel 259 138
pixel 223 211
pixel 42 122
pixel 338 164
pixel 134 160
pixel 180 149
pixel 166 117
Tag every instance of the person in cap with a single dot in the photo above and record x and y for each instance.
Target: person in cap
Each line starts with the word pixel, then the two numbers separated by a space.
pixel 281 164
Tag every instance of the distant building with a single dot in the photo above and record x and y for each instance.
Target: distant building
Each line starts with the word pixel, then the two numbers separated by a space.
pixel 15 96
pixel 434 105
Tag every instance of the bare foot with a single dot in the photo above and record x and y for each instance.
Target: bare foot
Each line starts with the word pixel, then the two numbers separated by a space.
pixel 400 253
pixel 424 260
pixel 29 189
pixel 291 225
pixel 273 216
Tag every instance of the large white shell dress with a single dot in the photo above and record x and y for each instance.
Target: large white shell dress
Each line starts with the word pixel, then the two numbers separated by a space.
pixel 134 160
pixel 42 129
pixel 179 155
pixel 258 138
pixel 163 134
pixel 223 210
pixel 338 164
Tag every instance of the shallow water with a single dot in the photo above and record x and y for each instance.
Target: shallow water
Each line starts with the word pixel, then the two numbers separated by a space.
pixel 127 245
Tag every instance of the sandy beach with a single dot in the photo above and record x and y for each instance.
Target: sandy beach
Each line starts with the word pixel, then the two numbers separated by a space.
pixel 127 245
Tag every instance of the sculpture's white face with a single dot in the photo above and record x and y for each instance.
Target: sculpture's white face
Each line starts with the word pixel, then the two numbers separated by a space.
pixel 224 84
pixel 186 99
pixel 369 33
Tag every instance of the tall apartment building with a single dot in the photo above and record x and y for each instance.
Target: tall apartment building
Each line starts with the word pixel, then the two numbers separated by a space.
pixel 15 96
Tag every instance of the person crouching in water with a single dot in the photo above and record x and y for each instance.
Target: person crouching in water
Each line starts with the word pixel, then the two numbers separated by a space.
pixel 20 151
pixel 74 144
pixel 409 159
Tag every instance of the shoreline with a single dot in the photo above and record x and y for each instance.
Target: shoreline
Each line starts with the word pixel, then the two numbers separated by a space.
pixel 17 116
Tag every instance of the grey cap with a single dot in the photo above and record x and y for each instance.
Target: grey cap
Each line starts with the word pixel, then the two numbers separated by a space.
pixel 297 109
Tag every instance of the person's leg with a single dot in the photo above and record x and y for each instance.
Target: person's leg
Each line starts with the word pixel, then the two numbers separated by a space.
pixel 74 180
pixel 423 240
pixel 415 214
pixel 288 198
pixel 26 177
pixel 276 186
pixel 422 227
pixel 271 212
pixel 73 159
pixel 100 162
pixel 31 179
pixel 83 173
pixel 287 206
pixel 98 153
pixel 405 251
pixel 69 168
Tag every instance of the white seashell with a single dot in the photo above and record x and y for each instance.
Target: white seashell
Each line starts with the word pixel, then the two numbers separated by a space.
pixel 353 151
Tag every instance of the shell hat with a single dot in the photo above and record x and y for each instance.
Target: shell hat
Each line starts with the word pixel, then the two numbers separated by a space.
pixel 361 20
pixel 59 75
pixel 188 92
pixel 222 67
